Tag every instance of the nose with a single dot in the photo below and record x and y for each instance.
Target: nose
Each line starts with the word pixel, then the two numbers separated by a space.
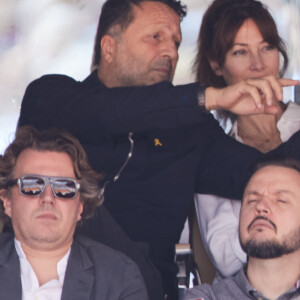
pixel 256 62
pixel 47 196
pixel 262 206
pixel 169 49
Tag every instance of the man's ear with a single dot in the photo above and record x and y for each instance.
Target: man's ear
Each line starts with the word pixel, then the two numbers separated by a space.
pixel 108 48
pixel 6 201
pixel 80 210
pixel 216 68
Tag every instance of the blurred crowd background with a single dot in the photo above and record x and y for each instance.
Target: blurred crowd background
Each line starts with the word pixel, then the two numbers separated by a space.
pixel 56 36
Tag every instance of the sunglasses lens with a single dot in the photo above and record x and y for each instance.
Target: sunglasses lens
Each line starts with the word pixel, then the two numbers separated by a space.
pixel 64 188
pixel 31 186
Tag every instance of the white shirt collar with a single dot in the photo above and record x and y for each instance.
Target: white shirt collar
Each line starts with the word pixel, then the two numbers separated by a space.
pixel 30 286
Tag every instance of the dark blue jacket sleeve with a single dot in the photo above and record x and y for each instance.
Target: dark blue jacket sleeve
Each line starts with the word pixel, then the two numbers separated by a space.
pixel 227 165
pixel 93 111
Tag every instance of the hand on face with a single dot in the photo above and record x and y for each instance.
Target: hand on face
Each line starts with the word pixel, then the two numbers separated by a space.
pixel 250 70
pixel 249 96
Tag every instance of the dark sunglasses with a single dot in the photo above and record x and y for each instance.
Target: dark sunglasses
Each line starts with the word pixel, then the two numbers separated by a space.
pixel 34 185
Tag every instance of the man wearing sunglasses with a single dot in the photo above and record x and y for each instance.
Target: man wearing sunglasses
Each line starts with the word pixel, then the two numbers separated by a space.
pixel 47 186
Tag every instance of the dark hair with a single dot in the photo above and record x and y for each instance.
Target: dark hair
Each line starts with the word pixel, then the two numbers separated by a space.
pixel 286 163
pixel 120 12
pixel 56 140
pixel 220 24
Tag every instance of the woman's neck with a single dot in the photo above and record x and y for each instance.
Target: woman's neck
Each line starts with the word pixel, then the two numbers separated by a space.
pixel 260 131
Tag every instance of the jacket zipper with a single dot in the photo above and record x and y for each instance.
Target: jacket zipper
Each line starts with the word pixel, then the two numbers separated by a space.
pixel 131 141
pixel 128 157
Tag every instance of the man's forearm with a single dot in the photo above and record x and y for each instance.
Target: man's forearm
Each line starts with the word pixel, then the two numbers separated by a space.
pixel 60 101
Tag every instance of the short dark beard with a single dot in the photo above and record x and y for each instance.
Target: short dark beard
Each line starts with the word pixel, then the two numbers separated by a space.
pixel 273 248
pixel 266 249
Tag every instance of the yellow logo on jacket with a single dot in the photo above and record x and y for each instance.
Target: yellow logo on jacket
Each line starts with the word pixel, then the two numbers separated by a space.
pixel 157 143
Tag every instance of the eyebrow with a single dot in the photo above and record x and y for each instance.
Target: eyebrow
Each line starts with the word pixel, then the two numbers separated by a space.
pixel 281 191
pixel 253 192
pixel 246 44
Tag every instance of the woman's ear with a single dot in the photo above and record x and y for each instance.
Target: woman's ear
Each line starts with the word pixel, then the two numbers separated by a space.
pixel 216 68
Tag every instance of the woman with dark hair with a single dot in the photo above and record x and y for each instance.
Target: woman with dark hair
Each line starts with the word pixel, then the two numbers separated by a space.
pixel 238 41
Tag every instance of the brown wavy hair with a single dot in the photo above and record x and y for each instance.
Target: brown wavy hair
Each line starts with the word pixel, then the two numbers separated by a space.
pixel 57 140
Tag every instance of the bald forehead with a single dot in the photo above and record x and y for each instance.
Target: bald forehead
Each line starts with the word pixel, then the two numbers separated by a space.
pixel 274 172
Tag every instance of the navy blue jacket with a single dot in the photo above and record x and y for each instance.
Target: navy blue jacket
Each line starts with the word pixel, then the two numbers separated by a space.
pixel 177 149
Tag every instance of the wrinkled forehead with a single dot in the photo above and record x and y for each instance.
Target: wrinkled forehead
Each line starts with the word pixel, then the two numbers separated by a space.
pixel 151 13
pixel 273 179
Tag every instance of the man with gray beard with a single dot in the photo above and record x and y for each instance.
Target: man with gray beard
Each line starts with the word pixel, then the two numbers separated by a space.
pixel 269 234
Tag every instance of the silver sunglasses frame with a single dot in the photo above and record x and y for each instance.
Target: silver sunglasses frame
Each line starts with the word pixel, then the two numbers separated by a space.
pixel 48 180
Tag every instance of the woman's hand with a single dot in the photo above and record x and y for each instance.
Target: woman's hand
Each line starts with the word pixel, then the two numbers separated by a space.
pixel 250 96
